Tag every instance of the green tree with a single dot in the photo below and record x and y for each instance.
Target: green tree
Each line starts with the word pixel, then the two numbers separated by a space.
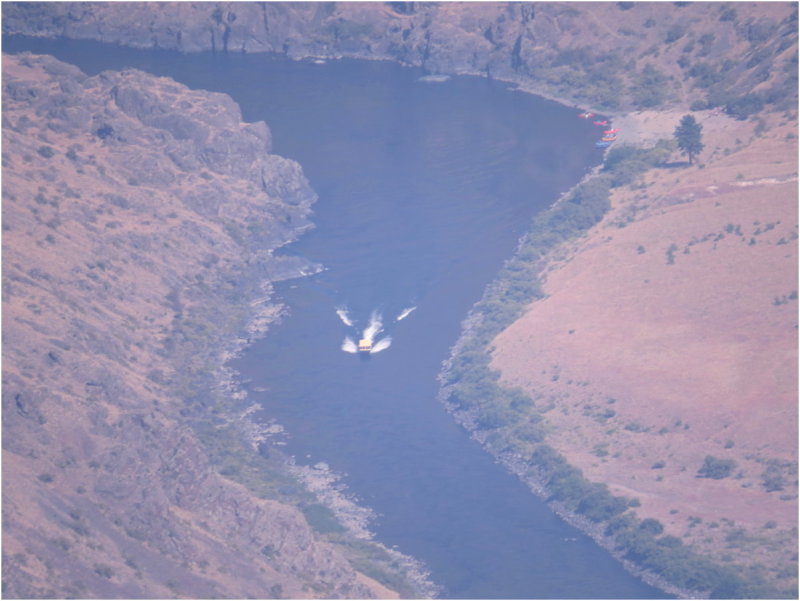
pixel 688 135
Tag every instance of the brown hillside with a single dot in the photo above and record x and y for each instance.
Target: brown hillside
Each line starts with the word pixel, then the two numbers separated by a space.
pixel 609 55
pixel 124 235
pixel 669 334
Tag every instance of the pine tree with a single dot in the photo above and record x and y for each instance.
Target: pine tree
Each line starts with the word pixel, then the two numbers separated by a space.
pixel 689 137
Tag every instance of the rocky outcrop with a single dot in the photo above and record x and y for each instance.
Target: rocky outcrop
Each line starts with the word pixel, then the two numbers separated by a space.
pixel 92 253
pixel 610 55
pixel 139 223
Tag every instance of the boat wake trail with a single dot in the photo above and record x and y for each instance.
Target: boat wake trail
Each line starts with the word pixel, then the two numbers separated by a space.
pixel 381 345
pixel 367 342
pixel 404 313
pixel 374 328
pixel 342 313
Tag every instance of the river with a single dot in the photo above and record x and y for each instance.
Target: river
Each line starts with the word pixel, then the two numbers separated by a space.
pixel 424 189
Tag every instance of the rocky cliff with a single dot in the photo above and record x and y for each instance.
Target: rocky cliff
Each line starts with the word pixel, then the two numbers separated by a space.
pixel 613 56
pixel 139 223
pixel 610 55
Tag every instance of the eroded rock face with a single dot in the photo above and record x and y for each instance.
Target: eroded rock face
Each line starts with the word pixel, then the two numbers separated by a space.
pixel 605 54
pixel 139 218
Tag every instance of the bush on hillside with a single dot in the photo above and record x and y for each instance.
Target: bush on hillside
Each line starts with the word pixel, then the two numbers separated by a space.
pixel 744 106
pixel 716 468
pixel 625 163
pixel 705 74
pixel 649 88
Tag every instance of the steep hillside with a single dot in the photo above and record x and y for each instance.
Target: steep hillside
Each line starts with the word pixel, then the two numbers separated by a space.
pixel 139 220
pixel 657 382
pixel 609 55
pixel 663 358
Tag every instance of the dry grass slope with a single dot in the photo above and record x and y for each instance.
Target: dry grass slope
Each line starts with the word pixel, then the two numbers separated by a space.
pixel 669 334
pixel 125 229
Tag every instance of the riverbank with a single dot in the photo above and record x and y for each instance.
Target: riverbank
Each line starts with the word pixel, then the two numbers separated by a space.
pixel 317 490
pixel 568 401
pixel 614 56
pixel 131 265
pixel 442 54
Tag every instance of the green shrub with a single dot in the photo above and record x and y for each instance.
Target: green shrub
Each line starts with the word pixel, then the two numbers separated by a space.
pixel 772 479
pixel 492 417
pixel 675 33
pixel 344 29
pixel 706 41
pixel 744 106
pixel 651 526
pixel 625 521
pixel 716 468
pixel 566 483
pixel 599 505
pixel 699 105
pixel 649 88
pixel 104 131
pixel 321 519
pixel 626 163
pixel 705 74
pixel 641 542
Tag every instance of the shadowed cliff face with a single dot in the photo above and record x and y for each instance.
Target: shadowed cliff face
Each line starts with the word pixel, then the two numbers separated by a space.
pixel 611 55
pixel 139 218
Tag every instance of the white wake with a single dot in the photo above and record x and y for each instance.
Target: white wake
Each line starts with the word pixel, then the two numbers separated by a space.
pixel 370 333
pixel 343 315
pixel 405 313
pixel 374 328
pixel 381 345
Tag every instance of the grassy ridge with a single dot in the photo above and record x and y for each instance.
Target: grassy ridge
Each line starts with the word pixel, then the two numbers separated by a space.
pixel 510 421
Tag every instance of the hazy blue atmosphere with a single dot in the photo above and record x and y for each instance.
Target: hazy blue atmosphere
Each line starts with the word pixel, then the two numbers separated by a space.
pixel 424 189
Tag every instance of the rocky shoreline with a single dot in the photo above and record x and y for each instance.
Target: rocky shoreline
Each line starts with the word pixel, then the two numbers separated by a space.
pixel 488 45
pixel 594 54
pixel 512 448
pixel 319 480
pixel 523 468
pixel 132 271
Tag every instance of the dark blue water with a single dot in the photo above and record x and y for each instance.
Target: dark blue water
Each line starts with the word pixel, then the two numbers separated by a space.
pixel 424 189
